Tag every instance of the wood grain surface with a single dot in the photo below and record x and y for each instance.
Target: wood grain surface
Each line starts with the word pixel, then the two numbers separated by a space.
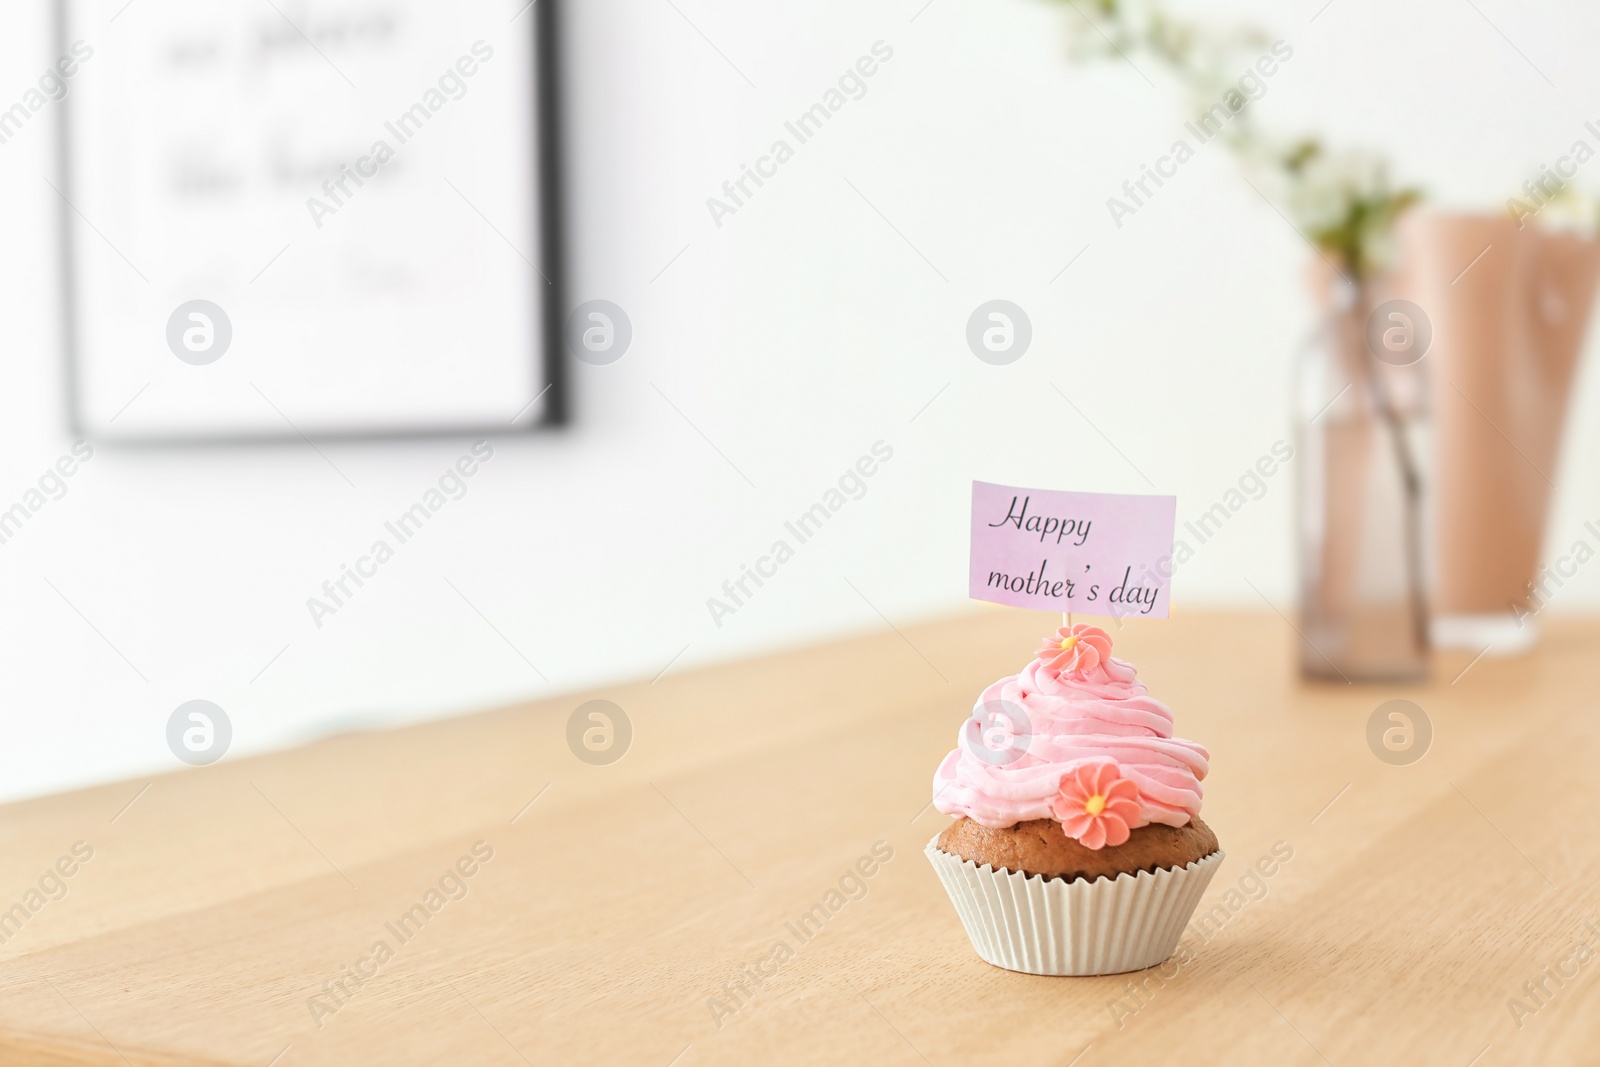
pixel 653 911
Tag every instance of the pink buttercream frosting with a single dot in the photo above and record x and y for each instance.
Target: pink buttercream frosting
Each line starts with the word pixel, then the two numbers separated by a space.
pixel 1069 718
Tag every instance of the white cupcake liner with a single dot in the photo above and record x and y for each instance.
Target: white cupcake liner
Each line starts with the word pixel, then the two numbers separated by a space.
pixel 1039 925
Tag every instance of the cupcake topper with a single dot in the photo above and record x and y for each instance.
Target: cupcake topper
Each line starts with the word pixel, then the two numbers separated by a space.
pixel 1089 553
pixel 1095 553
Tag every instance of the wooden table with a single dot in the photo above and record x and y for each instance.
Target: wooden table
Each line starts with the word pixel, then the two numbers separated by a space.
pixel 622 908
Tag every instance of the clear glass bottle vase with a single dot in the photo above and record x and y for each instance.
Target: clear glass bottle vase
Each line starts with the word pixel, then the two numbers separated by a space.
pixel 1362 424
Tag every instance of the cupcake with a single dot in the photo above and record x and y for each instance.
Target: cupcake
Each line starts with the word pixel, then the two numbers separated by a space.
pixel 1077 846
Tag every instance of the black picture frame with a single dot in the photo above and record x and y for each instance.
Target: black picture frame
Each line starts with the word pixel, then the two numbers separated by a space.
pixel 546 140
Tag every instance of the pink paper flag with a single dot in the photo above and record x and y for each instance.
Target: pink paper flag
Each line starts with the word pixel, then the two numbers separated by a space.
pixel 1090 553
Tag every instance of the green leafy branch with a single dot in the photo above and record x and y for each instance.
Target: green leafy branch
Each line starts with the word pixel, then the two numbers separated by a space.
pixel 1345 202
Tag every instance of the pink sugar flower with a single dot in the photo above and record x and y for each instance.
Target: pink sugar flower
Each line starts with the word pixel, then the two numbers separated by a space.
pixel 1078 649
pixel 1096 805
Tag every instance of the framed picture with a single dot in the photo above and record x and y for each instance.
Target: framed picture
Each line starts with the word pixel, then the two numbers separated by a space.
pixel 303 219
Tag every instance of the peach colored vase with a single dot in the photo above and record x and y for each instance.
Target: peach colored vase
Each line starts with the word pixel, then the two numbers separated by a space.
pixel 1509 308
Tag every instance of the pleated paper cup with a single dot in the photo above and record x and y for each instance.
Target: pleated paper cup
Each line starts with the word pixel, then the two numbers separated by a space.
pixel 1039 925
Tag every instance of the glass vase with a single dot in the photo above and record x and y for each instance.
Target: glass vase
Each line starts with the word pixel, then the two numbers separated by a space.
pixel 1362 425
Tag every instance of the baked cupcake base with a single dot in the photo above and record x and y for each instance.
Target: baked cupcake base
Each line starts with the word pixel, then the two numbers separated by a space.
pixel 1056 925
pixel 1039 846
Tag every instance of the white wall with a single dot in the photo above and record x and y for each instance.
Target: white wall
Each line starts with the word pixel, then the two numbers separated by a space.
pixel 793 337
